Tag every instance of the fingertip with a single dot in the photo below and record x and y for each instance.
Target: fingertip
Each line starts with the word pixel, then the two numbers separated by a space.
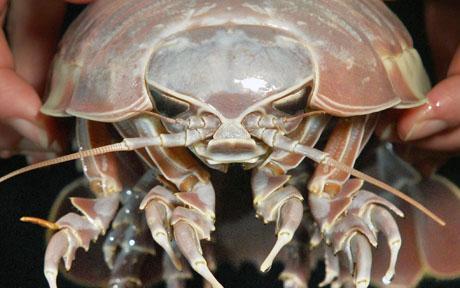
pixel 20 110
pixel 409 119
pixel 17 98
pixel 447 141
pixel 438 114
pixel 34 29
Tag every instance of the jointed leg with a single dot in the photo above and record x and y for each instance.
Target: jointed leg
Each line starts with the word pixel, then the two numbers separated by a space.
pixel 163 207
pixel 127 245
pixel 274 200
pixel 354 216
pixel 79 230
pixel 346 142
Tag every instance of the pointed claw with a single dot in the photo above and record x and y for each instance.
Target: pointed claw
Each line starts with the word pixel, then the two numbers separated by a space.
pixel 332 267
pixel 384 222
pixel 283 239
pixel 57 247
pixel 76 231
pixel 163 240
pixel 62 245
pixel 202 268
pixel 362 256
pixel 290 216
pixel 189 245
pixel 158 219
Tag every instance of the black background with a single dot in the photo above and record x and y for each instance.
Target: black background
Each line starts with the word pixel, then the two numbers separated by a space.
pixel 22 245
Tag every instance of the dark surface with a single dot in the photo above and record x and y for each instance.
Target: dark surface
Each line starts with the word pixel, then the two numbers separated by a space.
pixel 22 245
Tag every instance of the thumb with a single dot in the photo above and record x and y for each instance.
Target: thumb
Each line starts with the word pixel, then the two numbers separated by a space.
pixel 440 113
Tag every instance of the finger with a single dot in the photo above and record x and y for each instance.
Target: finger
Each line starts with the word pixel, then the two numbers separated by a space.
pixel 387 128
pixel 448 141
pixel 34 28
pixel 438 115
pixel 19 107
pixel 19 103
pixel 10 138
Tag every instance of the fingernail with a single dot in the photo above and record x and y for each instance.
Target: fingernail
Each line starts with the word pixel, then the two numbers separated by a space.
pixel 31 131
pixel 425 129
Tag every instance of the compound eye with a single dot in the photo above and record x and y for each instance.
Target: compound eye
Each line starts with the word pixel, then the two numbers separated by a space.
pixel 167 105
pixel 293 104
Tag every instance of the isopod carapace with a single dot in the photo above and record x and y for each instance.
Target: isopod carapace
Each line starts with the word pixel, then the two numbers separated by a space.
pixel 198 85
pixel 349 49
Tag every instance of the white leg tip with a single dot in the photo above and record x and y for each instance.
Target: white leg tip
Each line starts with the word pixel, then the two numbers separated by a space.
pixel 51 277
pixel 201 268
pixel 387 278
pixel 283 239
pixel 162 239
pixel 362 283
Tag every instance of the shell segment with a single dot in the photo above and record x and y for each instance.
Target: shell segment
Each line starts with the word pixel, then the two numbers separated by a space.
pixel 361 54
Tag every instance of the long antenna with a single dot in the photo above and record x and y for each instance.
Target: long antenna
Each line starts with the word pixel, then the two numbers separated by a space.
pixel 281 142
pixel 386 187
pixel 128 144
pixel 77 155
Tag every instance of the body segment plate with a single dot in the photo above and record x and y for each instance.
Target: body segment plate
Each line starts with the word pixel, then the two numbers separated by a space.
pixel 362 56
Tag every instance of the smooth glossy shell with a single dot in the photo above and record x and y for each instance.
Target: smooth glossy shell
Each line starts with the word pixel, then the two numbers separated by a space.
pixel 361 54
pixel 230 68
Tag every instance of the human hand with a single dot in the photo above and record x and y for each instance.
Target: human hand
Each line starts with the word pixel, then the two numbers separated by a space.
pixel 33 29
pixel 435 125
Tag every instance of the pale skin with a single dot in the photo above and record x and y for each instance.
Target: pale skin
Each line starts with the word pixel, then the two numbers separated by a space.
pixel 33 31
pixel 443 28
pixel 34 28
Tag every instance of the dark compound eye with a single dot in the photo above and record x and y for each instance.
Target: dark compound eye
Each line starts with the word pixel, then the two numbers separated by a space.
pixel 167 105
pixel 294 103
